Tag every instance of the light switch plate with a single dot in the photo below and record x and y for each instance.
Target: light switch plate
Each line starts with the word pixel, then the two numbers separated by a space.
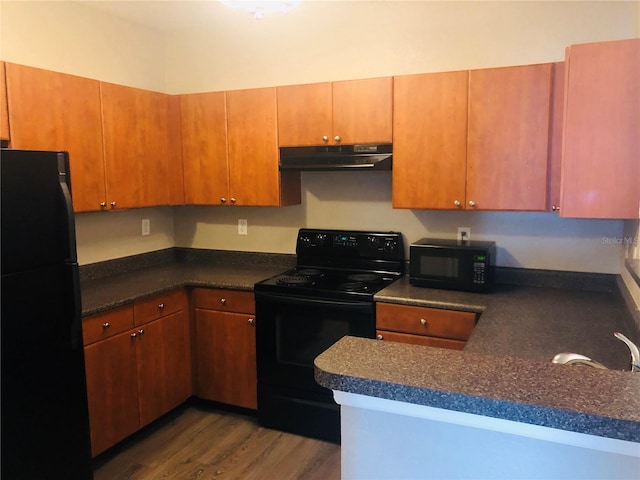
pixel 146 227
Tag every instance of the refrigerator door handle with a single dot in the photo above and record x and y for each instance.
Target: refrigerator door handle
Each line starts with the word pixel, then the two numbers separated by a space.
pixel 65 187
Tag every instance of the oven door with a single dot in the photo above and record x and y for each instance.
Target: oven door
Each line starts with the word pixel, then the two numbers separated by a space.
pixel 291 331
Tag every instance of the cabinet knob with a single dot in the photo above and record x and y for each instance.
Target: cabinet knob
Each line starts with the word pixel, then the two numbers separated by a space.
pixel 423 322
pixel 161 306
pixel 472 203
pixel 555 208
pixel 251 321
pixel 113 204
pixel 325 139
pixel 103 204
pixel 223 301
pixel 337 138
pixel 223 200
pixel 134 335
pixel 379 337
pixel 106 325
pixel 233 200
pixel 141 331
pixel 457 203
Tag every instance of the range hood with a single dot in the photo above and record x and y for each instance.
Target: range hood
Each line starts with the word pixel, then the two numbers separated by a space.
pixel 337 157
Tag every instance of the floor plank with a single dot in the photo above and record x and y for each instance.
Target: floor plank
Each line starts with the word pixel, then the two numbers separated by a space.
pixel 197 442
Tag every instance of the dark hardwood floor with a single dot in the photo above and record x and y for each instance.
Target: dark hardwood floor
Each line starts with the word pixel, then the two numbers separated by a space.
pixel 198 442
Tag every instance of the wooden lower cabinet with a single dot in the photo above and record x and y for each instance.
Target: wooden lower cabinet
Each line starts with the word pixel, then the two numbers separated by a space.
pixel 431 327
pixel 226 347
pixel 137 368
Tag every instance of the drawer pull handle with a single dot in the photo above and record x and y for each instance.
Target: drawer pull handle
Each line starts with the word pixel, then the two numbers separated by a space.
pixel 134 335
pixel 252 322
pixel 141 332
pixel 106 325
pixel 379 337
pixel 161 306
pixel 423 322
pixel 223 301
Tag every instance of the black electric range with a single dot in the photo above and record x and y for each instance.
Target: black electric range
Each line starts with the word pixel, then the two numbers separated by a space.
pixel 302 312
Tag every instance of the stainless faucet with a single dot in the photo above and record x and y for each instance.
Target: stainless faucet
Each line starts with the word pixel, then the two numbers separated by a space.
pixel 568 358
pixel 633 348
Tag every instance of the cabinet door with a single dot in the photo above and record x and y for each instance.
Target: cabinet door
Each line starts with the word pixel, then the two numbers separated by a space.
pixel 112 390
pixel 56 111
pixel 138 146
pixel 430 140
pixel 362 111
pixel 164 366
pixel 601 148
pixel 508 136
pixel 253 147
pixel 226 357
pixel 4 112
pixel 305 114
pixel 204 148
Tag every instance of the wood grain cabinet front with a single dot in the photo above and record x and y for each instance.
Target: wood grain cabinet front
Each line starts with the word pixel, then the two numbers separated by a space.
pixel 424 326
pixel 136 374
pixel 56 111
pixel 230 150
pixel 347 112
pixel 143 161
pixel 601 138
pixel 475 140
pixel 226 346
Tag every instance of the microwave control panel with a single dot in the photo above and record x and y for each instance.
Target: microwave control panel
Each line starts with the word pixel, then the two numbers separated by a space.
pixel 480 269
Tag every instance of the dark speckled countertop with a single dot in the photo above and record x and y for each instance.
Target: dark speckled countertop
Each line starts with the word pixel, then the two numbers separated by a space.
pixel 504 370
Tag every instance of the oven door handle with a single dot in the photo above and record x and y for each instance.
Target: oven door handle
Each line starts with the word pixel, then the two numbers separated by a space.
pixel 307 301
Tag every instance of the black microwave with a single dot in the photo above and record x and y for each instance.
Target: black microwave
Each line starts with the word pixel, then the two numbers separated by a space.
pixel 452 264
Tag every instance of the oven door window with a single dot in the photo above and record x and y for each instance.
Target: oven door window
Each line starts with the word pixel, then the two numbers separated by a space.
pixel 299 342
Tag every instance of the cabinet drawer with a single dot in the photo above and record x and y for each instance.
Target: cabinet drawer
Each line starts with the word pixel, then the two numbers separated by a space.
pixel 159 306
pixel 239 301
pixel 433 322
pixel 105 325
pixel 420 340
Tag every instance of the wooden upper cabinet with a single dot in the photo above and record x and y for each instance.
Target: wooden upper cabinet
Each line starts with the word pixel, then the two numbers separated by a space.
pixel 56 111
pixel 142 156
pixel 508 137
pixel 4 112
pixel 362 111
pixel 304 114
pixel 601 142
pixel 430 140
pixel 204 148
pixel 347 112
pixel 254 177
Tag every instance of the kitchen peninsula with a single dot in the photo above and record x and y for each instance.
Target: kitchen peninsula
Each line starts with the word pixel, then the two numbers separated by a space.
pixel 480 413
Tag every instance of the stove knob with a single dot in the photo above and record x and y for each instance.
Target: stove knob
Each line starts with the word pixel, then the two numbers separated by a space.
pixel 374 242
pixel 321 238
pixel 390 245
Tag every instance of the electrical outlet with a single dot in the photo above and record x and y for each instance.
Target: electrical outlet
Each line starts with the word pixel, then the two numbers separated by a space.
pixel 146 227
pixel 242 226
pixel 464 234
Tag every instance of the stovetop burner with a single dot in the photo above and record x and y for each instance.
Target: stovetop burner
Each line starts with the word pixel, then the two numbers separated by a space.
pixel 340 264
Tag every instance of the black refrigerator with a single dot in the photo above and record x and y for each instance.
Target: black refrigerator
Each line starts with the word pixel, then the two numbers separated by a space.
pixel 45 421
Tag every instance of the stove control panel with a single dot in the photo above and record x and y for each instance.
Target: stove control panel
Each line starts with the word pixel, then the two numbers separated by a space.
pixel 350 244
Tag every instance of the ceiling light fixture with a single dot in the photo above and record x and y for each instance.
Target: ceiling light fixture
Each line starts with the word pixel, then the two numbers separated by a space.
pixel 259 8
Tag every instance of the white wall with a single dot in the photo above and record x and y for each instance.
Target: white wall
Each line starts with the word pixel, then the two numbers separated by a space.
pixel 320 41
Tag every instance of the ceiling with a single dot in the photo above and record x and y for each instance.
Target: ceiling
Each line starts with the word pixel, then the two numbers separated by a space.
pixel 166 15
